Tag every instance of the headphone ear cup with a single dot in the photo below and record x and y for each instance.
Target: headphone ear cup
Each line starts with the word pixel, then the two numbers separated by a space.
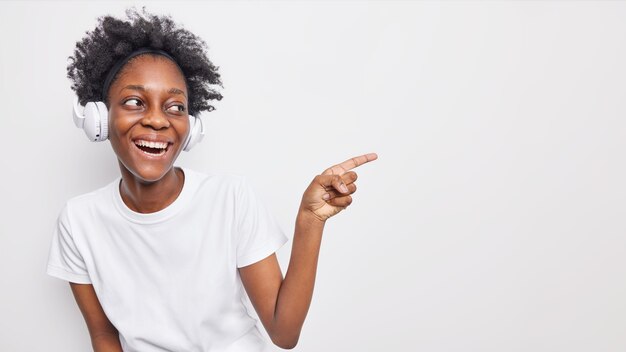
pixel 92 123
pixel 104 121
pixel 94 120
pixel 196 133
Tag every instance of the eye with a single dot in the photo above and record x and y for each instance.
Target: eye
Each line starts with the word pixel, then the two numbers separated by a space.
pixel 176 108
pixel 133 102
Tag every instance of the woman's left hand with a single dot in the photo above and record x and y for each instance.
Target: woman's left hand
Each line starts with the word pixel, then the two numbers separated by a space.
pixel 329 193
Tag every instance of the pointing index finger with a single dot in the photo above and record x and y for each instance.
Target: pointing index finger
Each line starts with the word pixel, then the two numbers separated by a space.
pixel 349 164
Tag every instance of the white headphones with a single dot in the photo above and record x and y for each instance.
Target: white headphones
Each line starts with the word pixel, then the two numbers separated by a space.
pixel 95 122
pixel 95 117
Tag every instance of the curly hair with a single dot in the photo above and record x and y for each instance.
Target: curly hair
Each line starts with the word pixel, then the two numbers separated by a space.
pixel 114 39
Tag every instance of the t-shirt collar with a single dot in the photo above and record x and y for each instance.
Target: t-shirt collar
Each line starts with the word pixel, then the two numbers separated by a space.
pixel 158 216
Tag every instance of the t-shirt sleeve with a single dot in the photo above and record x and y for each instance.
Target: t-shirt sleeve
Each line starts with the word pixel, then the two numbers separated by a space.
pixel 259 234
pixel 64 260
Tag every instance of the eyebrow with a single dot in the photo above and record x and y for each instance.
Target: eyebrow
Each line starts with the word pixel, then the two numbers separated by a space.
pixel 143 89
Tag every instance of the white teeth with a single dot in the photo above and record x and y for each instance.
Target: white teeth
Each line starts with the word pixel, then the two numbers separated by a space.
pixel 157 145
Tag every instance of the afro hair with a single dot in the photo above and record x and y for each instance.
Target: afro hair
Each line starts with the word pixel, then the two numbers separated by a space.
pixel 113 39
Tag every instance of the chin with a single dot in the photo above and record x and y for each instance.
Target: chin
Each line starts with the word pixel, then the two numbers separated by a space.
pixel 146 172
pixel 148 168
pixel 150 174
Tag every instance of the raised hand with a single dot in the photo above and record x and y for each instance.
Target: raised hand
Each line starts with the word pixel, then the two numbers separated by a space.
pixel 329 193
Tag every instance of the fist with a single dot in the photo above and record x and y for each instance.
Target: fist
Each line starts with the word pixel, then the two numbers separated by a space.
pixel 330 192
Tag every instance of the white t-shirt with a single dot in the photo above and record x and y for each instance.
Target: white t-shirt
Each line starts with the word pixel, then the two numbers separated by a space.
pixel 168 280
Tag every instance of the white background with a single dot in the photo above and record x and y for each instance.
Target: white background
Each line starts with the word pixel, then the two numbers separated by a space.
pixel 493 220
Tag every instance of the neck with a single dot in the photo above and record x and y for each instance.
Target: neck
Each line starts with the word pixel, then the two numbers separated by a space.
pixel 149 197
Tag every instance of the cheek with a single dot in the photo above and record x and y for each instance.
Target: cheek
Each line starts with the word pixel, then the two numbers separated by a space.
pixel 118 130
pixel 182 127
pixel 119 125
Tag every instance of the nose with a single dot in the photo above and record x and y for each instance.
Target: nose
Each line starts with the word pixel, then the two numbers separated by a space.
pixel 156 119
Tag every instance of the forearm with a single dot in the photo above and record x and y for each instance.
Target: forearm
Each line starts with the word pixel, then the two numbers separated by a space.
pixel 106 343
pixel 296 291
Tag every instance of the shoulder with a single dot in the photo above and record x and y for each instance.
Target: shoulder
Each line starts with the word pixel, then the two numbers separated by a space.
pixel 222 176
pixel 88 201
pixel 224 181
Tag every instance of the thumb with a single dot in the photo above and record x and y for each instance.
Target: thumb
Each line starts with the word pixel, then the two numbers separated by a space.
pixel 333 181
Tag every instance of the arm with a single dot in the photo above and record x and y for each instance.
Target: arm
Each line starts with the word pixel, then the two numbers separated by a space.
pixel 282 304
pixel 104 336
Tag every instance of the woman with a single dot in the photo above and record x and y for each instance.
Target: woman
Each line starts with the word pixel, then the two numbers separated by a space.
pixel 158 259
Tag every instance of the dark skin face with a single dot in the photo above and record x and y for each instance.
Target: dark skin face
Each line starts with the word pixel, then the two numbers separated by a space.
pixel 148 124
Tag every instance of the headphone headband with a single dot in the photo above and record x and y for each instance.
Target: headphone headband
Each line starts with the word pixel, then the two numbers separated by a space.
pixel 118 66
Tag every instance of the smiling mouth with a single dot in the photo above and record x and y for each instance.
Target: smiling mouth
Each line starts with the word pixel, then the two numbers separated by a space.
pixel 152 148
